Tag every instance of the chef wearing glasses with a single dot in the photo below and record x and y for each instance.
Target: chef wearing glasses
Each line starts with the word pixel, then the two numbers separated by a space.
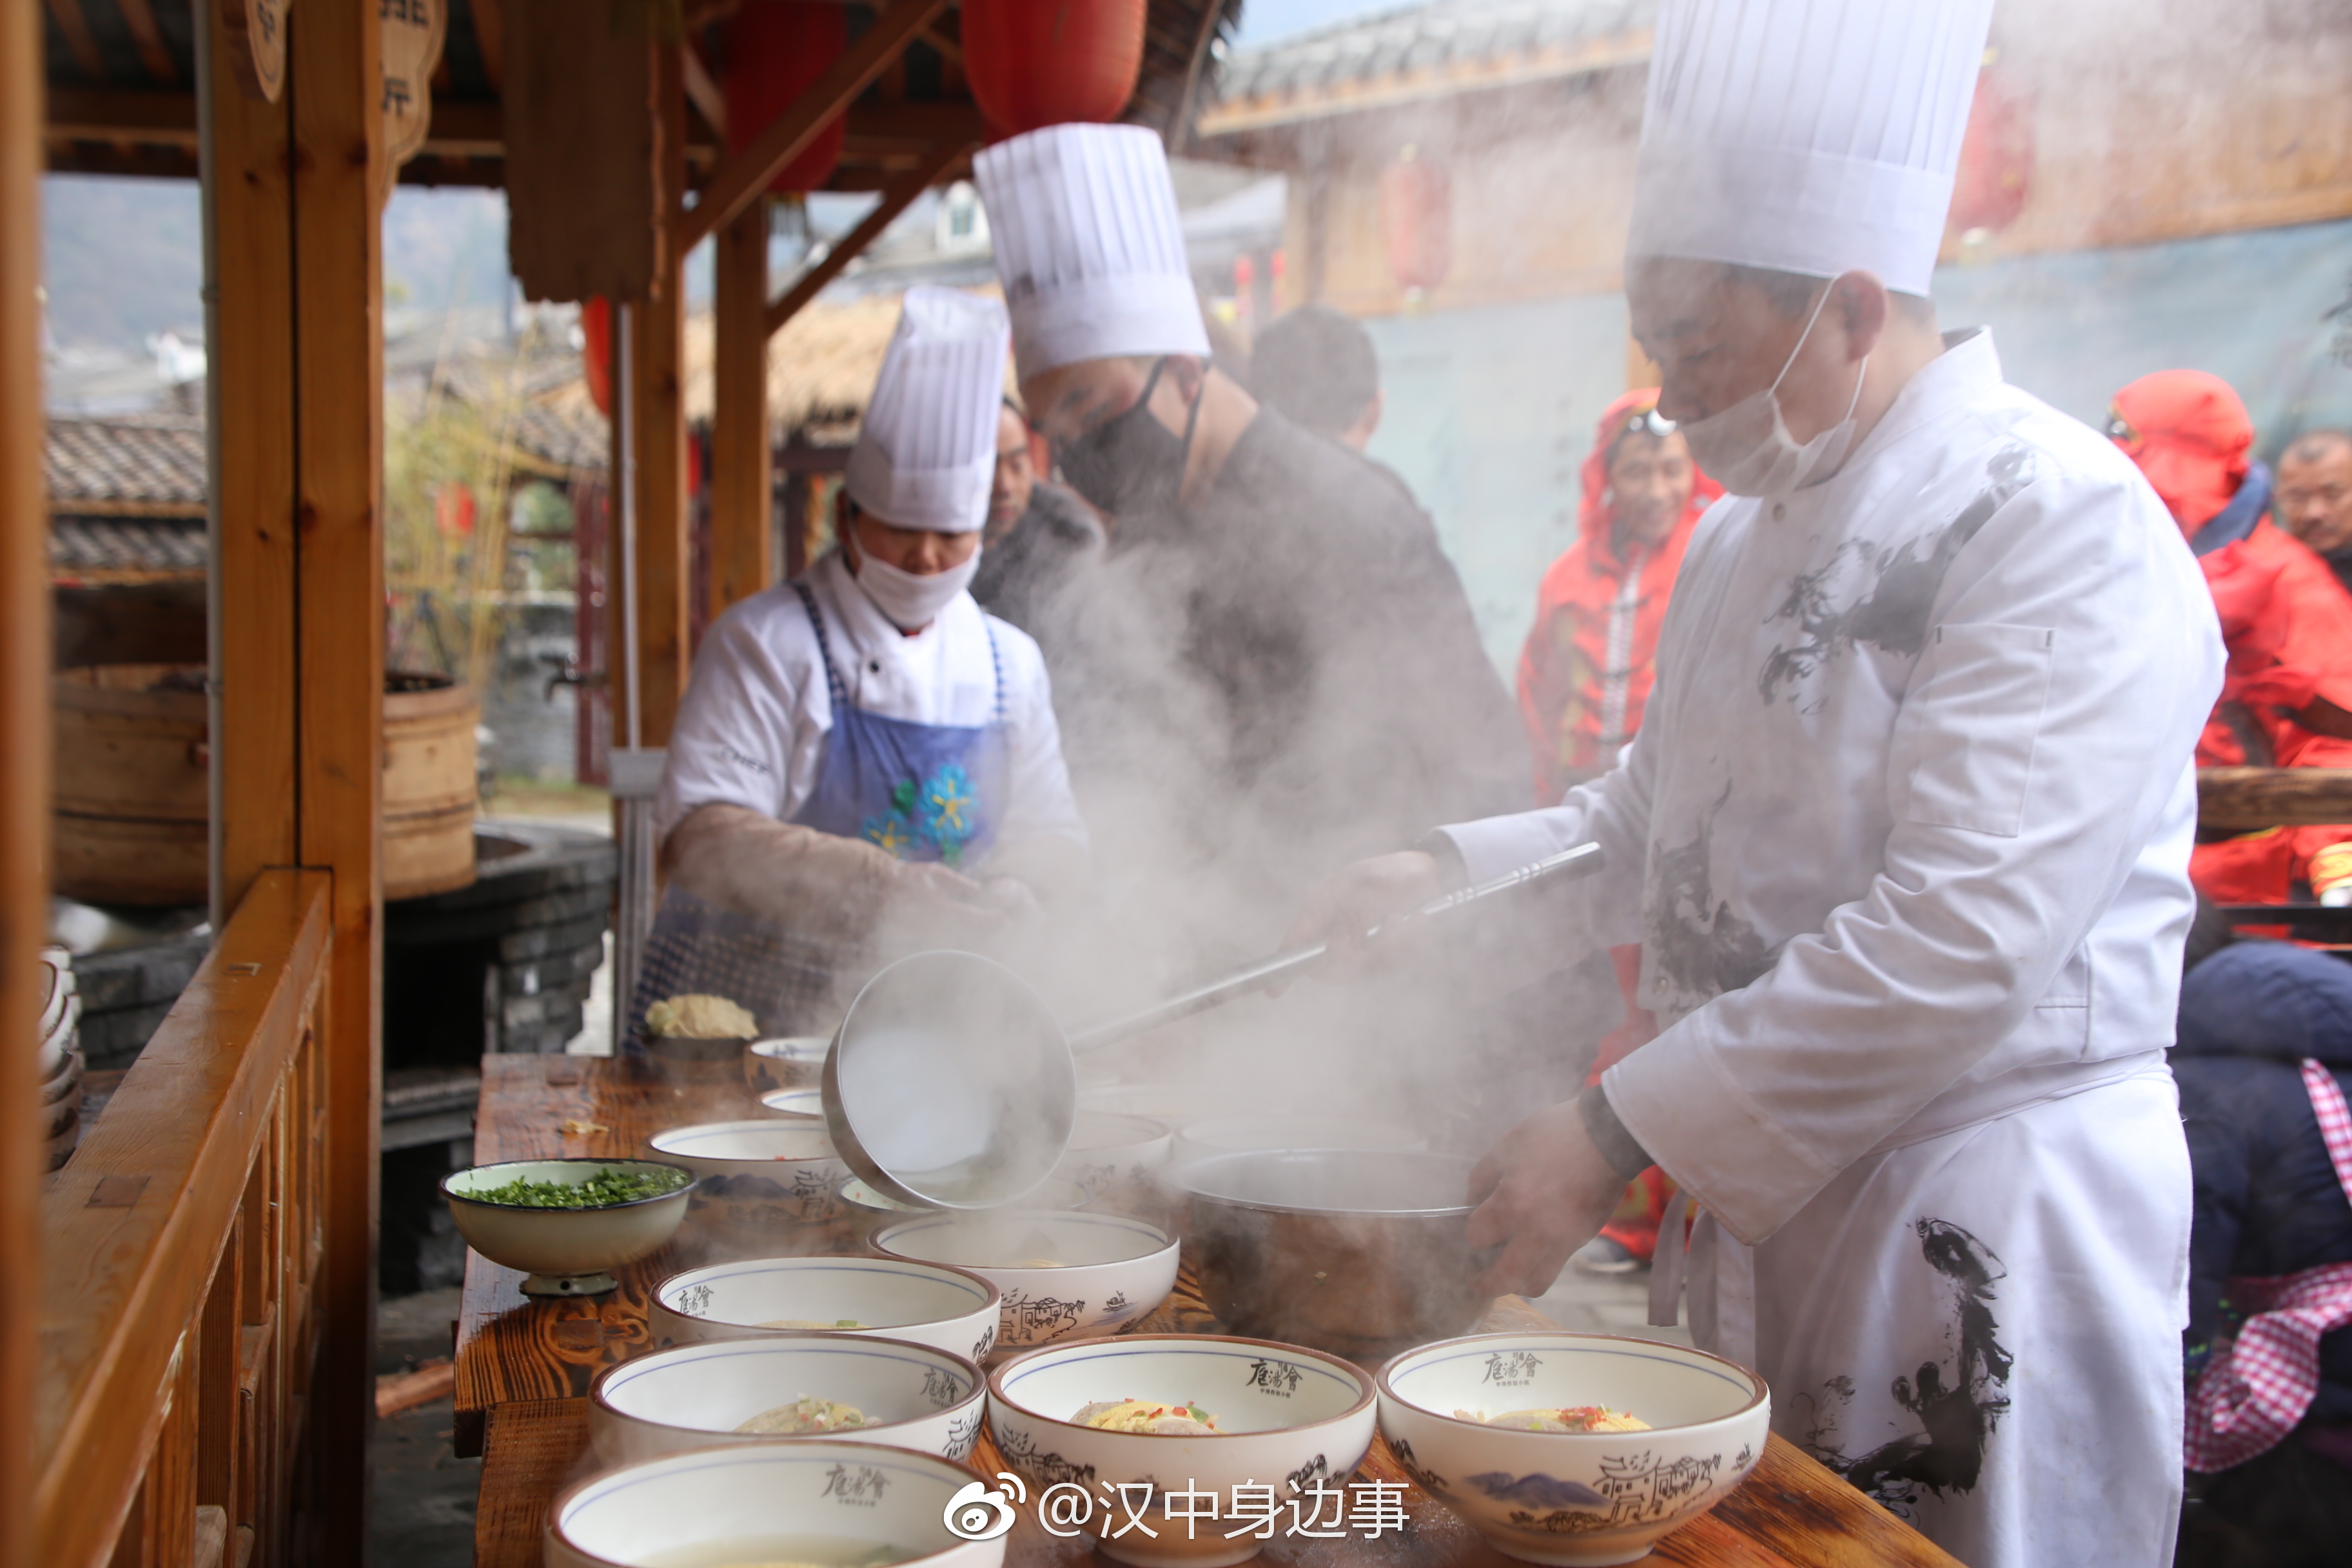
pixel 1280 669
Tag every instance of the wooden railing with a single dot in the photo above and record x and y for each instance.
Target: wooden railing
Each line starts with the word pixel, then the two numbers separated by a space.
pixel 181 1253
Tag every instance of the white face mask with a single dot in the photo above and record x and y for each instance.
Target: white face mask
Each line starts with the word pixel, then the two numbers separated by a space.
pixel 1747 447
pixel 911 602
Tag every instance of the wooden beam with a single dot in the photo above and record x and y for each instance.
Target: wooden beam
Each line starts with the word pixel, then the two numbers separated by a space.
pixel 897 197
pixel 658 327
pixel 154 57
pixel 249 215
pixel 490 37
pixel 752 170
pixel 742 554
pixel 335 65
pixel 24 742
pixel 81 42
pixel 702 91
pixel 1180 128
pixel 947 48
pixel 2256 798
pixel 88 114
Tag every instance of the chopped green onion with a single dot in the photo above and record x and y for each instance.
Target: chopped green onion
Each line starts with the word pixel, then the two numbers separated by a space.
pixel 602 1189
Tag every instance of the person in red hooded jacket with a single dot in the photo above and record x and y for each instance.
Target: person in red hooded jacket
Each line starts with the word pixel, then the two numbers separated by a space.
pixel 2288 698
pixel 1585 674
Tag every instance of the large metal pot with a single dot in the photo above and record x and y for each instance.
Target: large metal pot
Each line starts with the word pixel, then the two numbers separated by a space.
pixel 1361 1253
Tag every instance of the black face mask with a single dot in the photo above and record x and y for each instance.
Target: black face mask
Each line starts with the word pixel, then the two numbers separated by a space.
pixel 1131 465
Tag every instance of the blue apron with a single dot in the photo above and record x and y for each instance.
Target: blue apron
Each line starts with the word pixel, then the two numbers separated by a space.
pixel 922 792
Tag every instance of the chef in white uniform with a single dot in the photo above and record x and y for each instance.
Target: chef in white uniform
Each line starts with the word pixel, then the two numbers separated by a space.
pixel 864 754
pixel 1904 836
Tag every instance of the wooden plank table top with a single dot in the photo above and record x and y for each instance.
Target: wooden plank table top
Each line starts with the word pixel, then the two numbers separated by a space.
pixel 524 1367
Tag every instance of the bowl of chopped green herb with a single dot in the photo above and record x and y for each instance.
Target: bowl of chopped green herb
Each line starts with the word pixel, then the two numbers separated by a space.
pixel 566 1223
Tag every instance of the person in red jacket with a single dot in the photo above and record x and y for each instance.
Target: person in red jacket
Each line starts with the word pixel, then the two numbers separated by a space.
pixel 1587 666
pixel 2288 698
pixel 1586 672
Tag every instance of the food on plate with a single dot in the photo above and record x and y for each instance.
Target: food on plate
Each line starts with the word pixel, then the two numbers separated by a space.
pixel 602 1189
pixel 804 1416
pixel 1148 1415
pixel 1568 1418
pixel 811 1323
pixel 695 1017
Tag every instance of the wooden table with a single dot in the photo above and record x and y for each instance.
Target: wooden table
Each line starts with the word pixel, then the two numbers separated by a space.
pixel 524 1367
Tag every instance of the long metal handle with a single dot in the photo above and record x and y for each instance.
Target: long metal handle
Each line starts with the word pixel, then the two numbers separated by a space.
pixel 1582 860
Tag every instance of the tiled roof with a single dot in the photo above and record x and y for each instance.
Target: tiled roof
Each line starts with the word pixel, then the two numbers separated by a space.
pixel 1450 46
pixel 150 463
pixel 119 546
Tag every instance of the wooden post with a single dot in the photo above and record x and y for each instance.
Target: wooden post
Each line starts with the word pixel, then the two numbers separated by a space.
pixel 741 552
pixel 248 207
pixel 340 608
pixel 659 330
pixel 24 742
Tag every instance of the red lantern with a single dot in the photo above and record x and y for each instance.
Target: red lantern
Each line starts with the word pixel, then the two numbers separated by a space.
pixel 1034 63
pixel 1996 170
pixel 1417 218
pixel 596 353
pixel 775 50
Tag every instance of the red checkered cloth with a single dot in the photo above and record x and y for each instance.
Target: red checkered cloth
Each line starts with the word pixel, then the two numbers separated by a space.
pixel 2255 1389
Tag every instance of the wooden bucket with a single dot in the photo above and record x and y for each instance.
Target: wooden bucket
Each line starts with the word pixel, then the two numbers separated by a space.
pixel 429 786
pixel 132 791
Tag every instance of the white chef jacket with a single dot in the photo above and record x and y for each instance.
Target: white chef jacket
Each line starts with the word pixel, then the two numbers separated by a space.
pixel 1904 834
pixel 752 730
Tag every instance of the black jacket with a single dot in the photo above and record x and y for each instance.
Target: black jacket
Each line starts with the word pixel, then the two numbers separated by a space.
pixel 2268 1202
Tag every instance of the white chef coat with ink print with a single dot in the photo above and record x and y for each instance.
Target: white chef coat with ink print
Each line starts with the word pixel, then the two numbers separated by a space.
pixel 1905 836
pixel 752 729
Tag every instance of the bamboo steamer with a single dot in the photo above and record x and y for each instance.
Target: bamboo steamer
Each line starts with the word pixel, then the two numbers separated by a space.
pixel 132 791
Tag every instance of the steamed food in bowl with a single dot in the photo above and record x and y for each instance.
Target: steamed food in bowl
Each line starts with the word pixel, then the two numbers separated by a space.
pixel 1572 1418
pixel 1063 1275
pixel 1187 1420
pixel 1604 1446
pixel 787 1388
pixel 817 1500
pixel 803 1417
pixel 885 1298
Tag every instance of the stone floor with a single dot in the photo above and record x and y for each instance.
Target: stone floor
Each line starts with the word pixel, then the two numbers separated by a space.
pixel 425 1494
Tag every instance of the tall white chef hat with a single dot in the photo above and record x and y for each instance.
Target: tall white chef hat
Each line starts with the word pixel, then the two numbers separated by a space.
pixel 1089 245
pixel 926 451
pixel 1807 136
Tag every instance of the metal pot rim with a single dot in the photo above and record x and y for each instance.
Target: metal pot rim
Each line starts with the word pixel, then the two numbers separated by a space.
pixel 1188 1177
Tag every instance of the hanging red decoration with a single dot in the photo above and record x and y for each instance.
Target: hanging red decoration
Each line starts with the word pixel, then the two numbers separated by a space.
pixel 1417 219
pixel 596 353
pixel 775 50
pixel 1996 170
pixel 1033 63
pixel 453 510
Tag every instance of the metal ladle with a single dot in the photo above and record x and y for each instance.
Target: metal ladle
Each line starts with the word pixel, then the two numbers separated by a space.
pixel 950 1085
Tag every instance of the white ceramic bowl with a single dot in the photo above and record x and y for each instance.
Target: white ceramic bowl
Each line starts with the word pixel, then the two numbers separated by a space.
pixel 565 1252
pixel 762 1182
pixel 866 1211
pixel 1118 1160
pixel 1287 1419
pixel 789 1061
pixel 1197 1141
pixel 1111 1267
pixel 795 1104
pixel 692 1396
pixel 891 1298
pixel 1573 1496
pixel 753 1502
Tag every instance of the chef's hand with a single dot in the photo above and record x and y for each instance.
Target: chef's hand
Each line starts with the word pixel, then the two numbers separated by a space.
pixel 1009 894
pixel 1350 902
pixel 1542 1192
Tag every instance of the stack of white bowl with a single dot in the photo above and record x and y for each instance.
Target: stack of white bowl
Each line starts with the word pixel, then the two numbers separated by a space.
pixel 59 1056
